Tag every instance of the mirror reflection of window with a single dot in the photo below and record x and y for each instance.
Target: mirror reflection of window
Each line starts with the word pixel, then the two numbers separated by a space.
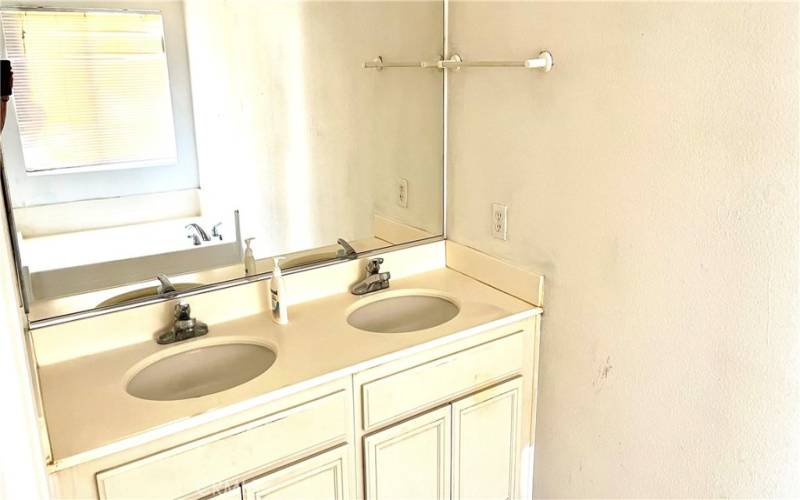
pixel 92 89
pixel 141 129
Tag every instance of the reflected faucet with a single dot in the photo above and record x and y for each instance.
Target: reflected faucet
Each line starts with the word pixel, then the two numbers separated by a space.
pixel 215 233
pixel 196 233
pixel 166 285
pixel 375 280
pixel 347 251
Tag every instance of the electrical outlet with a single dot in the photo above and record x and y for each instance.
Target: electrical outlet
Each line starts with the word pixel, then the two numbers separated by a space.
pixel 500 221
pixel 402 192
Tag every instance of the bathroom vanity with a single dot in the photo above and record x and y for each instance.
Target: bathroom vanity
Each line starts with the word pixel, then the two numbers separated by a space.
pixel 340 412
pixel 407 368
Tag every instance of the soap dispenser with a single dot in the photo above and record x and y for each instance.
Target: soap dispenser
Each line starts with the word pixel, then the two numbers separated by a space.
pixel 277 294
pixel 249 259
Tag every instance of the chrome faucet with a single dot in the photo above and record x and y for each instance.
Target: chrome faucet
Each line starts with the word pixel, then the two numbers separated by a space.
pixel 347 251
pixel 166 285
pixel 375 279
pixel 215 233
pixel 185 326
pixel 196 233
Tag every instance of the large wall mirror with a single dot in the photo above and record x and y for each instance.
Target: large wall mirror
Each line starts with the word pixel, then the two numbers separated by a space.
pixel 148 143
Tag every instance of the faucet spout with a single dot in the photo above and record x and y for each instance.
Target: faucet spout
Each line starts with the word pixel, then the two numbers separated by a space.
pixel 197 233
pixel 374 281
pixel 347 251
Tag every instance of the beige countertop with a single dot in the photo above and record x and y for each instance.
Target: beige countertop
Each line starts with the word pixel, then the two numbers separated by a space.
pixel 90 414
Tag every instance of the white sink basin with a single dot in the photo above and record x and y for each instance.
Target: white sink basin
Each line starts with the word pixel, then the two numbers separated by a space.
pixel 201 371
pixel 403 312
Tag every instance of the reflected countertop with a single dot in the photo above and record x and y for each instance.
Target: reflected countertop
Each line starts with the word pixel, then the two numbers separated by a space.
pixel 48 308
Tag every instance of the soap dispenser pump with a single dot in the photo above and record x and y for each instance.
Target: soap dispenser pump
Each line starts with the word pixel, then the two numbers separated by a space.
pixel 249 259
pixel 277 294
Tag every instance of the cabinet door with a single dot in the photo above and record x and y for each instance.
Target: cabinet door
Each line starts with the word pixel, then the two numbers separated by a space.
pixel 410 460
pixel 323 477
pixel 234 494
pixel 487 445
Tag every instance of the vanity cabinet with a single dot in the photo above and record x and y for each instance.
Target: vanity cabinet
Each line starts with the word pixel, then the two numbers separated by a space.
pixel 487 443
pixel 452 422
pixel 323 477
pixel 414 389
pixel 467 449
pixel 411 459
pixel 285 444
pixel 448 420
pixel 234 494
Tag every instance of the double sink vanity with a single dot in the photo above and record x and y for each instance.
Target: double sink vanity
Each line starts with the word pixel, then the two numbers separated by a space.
pixel 422 390
pixel 146 253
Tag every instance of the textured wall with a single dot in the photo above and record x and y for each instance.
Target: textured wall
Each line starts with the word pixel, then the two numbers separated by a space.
pixel 653 177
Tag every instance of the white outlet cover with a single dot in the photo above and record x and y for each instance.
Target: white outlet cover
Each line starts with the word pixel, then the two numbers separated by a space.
pixel 500 221
pixel 402 192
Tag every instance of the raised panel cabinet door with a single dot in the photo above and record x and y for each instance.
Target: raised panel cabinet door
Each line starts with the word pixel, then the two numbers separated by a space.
pixel 322 477
pixel 410 460
pixel 487 447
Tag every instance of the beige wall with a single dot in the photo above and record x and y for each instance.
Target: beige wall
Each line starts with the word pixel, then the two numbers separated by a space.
pixel 653 177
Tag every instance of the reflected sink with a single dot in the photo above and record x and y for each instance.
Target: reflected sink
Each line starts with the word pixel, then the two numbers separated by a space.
pixel 140 293
pixel 201 371
pixel 402 313
pixel 313 258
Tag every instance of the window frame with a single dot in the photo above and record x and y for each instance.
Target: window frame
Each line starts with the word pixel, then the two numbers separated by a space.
pixel 110 166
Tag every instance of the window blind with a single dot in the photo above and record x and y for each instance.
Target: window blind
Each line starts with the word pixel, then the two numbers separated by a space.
pixel 91 89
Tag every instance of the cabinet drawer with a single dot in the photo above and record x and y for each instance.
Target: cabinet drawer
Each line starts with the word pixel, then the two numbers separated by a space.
pixel 204 466
pixel 410 391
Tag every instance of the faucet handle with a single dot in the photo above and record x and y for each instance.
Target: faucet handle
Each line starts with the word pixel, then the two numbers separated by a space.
pixel 374 265
pixel 195 238
pixel 215 232
pixel 183 311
